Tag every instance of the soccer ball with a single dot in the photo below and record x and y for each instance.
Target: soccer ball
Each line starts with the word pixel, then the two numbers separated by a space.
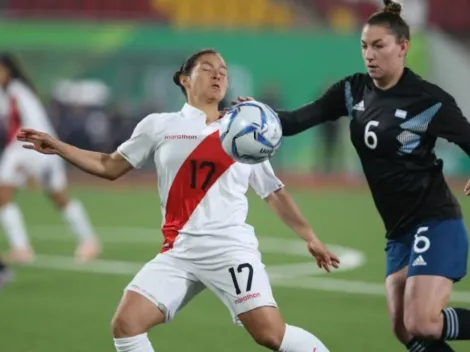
pixel 250 132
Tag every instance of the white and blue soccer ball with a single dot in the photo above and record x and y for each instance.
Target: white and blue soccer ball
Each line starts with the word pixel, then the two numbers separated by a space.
pixel 251 132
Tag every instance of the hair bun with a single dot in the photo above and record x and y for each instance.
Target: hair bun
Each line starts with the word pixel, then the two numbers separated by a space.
pixel 176 78
pixel 392 7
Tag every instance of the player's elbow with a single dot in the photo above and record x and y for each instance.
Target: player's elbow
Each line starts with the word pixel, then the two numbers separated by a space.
pixel 114 167
pixel 110 176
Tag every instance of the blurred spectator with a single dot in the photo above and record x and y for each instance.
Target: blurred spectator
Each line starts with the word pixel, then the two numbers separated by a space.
pixel 329 149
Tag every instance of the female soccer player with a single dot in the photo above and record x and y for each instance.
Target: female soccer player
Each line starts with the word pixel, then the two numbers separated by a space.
pixel 396 118
pixel 207 242
pixel 18 164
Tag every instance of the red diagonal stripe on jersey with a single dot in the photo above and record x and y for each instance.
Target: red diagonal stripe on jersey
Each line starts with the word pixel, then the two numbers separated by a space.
pixel 14 122
pixel 198 173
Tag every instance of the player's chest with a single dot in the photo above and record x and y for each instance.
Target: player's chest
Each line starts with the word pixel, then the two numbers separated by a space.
pixel 388 126
pixel 193 147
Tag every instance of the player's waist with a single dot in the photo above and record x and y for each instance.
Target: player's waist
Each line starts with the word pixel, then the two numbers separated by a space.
pixel 401 226
pixel 209 241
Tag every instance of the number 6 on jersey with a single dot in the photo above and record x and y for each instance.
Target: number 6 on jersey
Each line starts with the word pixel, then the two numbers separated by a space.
pixel 370 138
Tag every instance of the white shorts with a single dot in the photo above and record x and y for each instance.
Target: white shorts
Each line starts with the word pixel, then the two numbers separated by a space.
pixel 18 164
pixel 239 280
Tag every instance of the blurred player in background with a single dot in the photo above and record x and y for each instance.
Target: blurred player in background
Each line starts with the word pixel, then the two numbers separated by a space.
pixel 5 274
pixel 396 117
pixel 207 242
pixel 17 165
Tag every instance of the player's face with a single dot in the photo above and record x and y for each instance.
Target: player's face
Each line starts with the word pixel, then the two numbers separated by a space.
pixel 4 75
pixel 208 80
pixel 383 55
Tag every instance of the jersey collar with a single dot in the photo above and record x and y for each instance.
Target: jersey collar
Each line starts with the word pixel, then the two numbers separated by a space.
pixel 405 78
pixel 191 111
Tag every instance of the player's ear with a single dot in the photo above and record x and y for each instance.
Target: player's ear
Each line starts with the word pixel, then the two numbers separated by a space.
pixel 404 47
pixel 185 80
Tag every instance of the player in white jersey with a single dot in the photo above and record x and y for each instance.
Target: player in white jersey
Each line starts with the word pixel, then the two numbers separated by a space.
pixel 17 165
pixel 207 243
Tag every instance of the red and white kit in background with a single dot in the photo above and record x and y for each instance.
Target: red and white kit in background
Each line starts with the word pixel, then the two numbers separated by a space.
pixel 207 242
pixel 24 110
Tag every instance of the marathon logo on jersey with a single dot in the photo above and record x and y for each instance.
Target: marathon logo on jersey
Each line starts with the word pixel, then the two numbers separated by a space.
pixel 359 106
pixel 179 136
pixel 247 297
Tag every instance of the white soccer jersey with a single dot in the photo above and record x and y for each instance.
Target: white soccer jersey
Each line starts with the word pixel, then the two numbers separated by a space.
pixel 202 190
pixel 24 109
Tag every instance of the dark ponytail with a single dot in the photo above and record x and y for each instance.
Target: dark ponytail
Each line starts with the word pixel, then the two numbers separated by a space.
pixel 390 17
pixel 15 70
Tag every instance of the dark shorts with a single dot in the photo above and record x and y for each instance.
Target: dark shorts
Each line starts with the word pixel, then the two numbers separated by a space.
pixel 438 247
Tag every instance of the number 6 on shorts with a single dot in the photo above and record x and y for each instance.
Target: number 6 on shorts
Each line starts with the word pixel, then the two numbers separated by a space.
pixel 239 270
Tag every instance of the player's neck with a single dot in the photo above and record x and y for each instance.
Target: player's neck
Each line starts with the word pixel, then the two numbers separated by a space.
pixel 389 82
pixel 210 109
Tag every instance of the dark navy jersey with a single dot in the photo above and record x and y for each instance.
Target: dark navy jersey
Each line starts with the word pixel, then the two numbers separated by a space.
pixel 394 132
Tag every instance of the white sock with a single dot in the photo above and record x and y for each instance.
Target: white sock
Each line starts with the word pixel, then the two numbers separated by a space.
pixel 298 340
pixel 139 343
pixel 13 225
pixel 77 218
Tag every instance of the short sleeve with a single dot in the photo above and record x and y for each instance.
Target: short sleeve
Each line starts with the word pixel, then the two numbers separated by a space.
pixel 142 142
pixel 263 180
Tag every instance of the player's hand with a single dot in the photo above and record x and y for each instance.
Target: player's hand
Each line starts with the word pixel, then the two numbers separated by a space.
pixel 241 100
pixel 467 189
pixel 325 259
pixel 38 141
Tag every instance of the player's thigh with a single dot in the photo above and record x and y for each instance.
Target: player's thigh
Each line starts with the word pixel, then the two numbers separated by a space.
pixel 53 175
pixel 135 315
pixel 395 292
pixel 160 289
pixel 426 296
pixel 438 259
pixel 265 324
pixel 13 168
pixel 240 280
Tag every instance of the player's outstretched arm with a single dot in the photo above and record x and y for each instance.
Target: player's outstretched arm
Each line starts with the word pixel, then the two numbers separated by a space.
pixel 331 106
pixel 108 166
pixel 286 209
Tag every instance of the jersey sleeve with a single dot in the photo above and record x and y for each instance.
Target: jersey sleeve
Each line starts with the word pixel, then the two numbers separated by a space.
pixel 141 144
pixel 263 180
pixel 450 123
pixel 330 106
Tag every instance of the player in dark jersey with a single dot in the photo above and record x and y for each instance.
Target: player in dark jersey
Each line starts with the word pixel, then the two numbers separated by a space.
pixel 395 119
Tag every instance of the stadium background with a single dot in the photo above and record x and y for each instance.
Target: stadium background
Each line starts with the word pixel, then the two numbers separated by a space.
pixel 100 66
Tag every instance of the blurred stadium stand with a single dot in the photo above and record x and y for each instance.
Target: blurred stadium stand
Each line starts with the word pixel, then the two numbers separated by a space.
pixel 102 9
pixel 450 16
pixel 183 13
pixel 136 56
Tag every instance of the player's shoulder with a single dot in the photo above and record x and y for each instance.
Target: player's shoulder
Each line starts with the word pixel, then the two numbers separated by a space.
pixel 356 81
pixel 436 92
pixel 17 88
pixel 358 78
pixel 431 90
pixel 157 120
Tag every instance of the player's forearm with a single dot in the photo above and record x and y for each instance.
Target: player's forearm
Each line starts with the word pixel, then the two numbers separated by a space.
pixel 93 163
pixel 286 209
